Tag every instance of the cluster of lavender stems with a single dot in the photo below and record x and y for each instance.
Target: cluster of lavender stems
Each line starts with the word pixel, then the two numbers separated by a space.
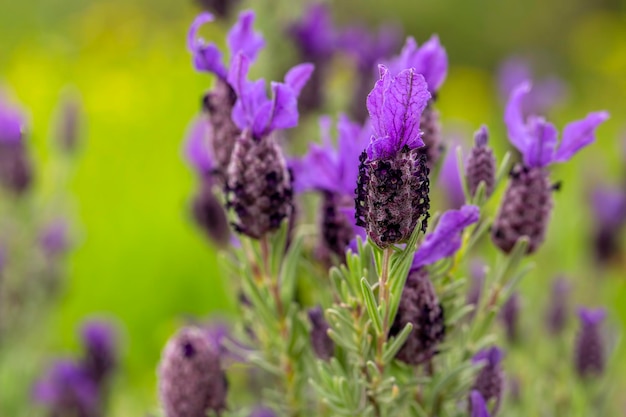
pixel 392 307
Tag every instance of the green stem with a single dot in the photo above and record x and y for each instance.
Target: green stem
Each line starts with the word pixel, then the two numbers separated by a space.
pixel 383 299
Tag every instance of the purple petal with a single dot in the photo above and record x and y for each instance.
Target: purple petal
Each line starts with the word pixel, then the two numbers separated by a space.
pixel 493 356
pixel 543 138
pixel 206 56
pixel 591 316
pixel 297 77
pixel 579 134
pixel 407 57
pixel 609 205
pixel 353 139
pixel 262 412
pixel 251 96
pixel 512 72
pixel 481 137
pixel 376 101
pixel 197 147
pixel 478 406
pixel 11 122
pixel 317 170
pixel 514 119
pixel 445 240
pixel 315 34
pixel 450 178
pixel 284 107
pixel 433 63
pixel 242 38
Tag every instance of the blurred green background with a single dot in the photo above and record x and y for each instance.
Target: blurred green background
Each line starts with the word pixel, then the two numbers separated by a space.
pixel 139 259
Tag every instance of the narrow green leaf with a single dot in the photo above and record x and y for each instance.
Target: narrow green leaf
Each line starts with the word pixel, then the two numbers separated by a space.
pixel 288 276
pixel 372 308
pixel 503 169
pixel 392 347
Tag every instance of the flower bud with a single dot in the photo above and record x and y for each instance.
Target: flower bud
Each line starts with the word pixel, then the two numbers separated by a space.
pixel 589 355
pixel 490 380
pixel 323 345
pixel 481 164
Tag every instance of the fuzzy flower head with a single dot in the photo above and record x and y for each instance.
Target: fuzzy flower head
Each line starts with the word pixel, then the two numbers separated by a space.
pixel 590 355
pixel 537 139
pixel 254 110
pixel 240 39
pixel 99 341
pixel 11 123
pixel 430 60
pixel 395 106
pixel 198 149
pixel 314 33
pixel 332 168
pixel 445 240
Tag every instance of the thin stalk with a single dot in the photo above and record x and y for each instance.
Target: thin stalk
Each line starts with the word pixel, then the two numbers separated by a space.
pixel 383 299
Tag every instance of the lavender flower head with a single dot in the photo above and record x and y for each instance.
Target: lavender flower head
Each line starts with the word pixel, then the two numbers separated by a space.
pixel 490 380
pixel 608 205
pixel 323 345
pixel 53 239
pixel 450 178
pixel 259 185
pixel 481 164
pixel 478 408
pixel 419 304
pixel 392 190
pixel 558 310
pixel 334 172
pixel 262 412
pixel 67 390
pixel 589 355
pixel 99 341
pixel 510 317
pixel 15 166
pixel 198 150
pixel 527 203
pixel 221 8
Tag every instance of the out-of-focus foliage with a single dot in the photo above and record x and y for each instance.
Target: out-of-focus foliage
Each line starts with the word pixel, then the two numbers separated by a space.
pixel 139 258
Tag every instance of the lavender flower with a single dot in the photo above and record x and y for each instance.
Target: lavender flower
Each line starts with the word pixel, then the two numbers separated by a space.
pixel 259 185
pixel 558 310
pixel 478 408
pixel 68 127
pixel 263 412
pixel 53 239
pixel 368 49
pixel 510 317
pixel 392 191
pixel 589 356
pixel 430 60
pixel 100 358
pixel 219 102
pixel 191 382
pixel 315 37
pixel 608 205
pixel 334 172
pixel 15 166
pixel 481 164
pixel 222 8
pixel 527 203
pixel 490 380
pixel 67 390
pixel 323 345
pixel 450 178
pixel 419 304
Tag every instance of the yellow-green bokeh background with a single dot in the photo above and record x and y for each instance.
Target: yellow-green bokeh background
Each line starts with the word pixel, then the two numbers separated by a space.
pixel 139 259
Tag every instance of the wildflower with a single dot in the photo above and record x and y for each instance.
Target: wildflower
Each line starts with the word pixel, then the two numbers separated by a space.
pixel 589 356
pixel 368 49
pixel 478 408
pixel 334 173
pixel 608 206
pixel 510 317
pixel 490 380
pixel 558 306
pixel 392 190
pixel 430 60
pixel 219 102
pixel 100 351
pixel 67 390
pixel 15 165
pixel 222 8
pixel 450 178
pixel 259 188
pixel 323 345
pixel 315 37
pixel 53 239
pixel 262 412
pixel 481 164
pixel 527 203
pixel 191 382
pixel 419 304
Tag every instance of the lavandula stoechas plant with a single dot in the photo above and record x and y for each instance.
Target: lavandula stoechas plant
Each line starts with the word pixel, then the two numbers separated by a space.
pixel 218 103
pixel 590 350
pixel 430 60
pixel 527 203
pixel 481 164
pixel 608 206
pixel 490 380
pixel 15 164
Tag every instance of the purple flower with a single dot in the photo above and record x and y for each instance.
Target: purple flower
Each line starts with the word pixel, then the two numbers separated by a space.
pixel 369 48
pixel 254 110
pixel 490 380
pixel 15 166
pixel 395 106
pixel 609 206
pixel 222 8
pixel 481 164
pixel 314 33
pixel 548 92
pixel 322 344
pixel 240 39
pixel 430 60
pixel 261 411
pixel 11 123
pixel 589 356
pixel 558 306
pixel 445 240
pixel 326 168
pixel 537 139
pixel 53 238
pixel 99 342
pixel 66 389
pixel 450 178
pixel 198 149
pixel 477 405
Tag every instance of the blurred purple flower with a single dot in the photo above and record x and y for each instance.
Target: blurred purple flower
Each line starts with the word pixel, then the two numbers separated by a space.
pixel 314 33
pixel 481 164
pixel 445 240
pixel 99 341
pixel 608 205
pixel 241 39
pixel 537 139
pixel 490 380
pixel 67 390
pixel 323 345
pixel 450 178
pixel 15 166
pixel 253 110
pixel 547 93
pixel 510 317
pixel 222 8
pixel 590 352
pixel 69 123
pixel 558 306
pixel 53 239
pixel 477 405
pixel 430 60
pixel 261 411
pixel 198 149
pixel 11 122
